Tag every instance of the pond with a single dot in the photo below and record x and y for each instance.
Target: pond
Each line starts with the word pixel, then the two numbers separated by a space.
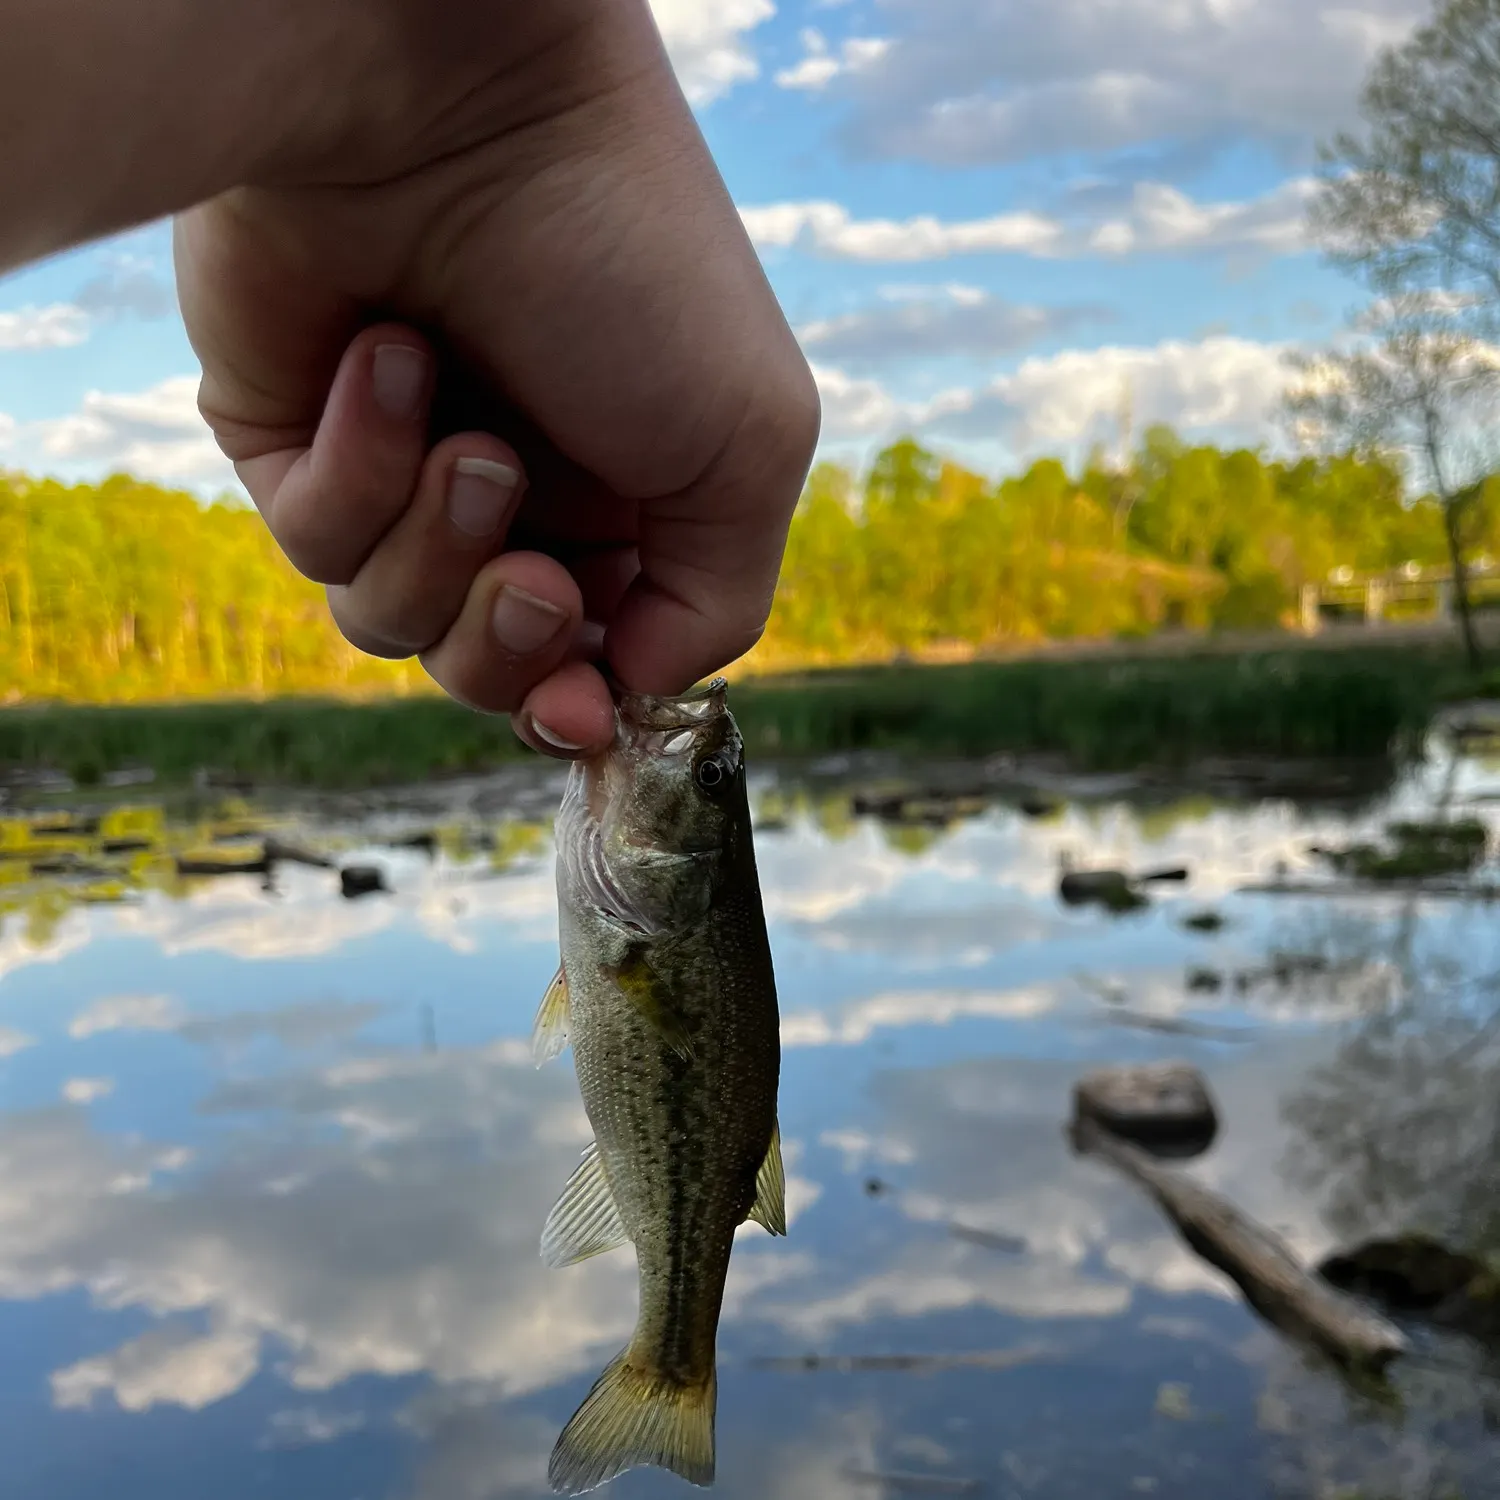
pixel 274 1163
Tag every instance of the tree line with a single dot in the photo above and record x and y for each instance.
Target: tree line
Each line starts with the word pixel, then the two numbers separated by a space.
pixel 124 590
pixel 922 552
pixel 127 591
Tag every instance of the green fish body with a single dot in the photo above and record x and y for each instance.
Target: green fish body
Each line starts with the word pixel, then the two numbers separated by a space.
pixel 667 994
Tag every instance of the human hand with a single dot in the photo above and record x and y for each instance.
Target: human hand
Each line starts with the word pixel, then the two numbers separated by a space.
pixel 496 361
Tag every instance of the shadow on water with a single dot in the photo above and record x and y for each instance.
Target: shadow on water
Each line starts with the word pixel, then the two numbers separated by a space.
pixel 273 1161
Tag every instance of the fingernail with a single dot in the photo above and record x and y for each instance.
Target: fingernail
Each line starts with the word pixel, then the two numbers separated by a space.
pixel 479 492
pixel 523 623
pixel 399 376
pixel 549 737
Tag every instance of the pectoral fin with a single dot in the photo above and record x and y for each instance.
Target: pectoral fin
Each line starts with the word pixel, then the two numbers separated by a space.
pixel 584 1221
pixel 769 1208
pixel 549 1033
pixel 644 988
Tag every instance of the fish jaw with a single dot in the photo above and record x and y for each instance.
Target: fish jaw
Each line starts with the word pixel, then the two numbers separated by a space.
pixel 643 830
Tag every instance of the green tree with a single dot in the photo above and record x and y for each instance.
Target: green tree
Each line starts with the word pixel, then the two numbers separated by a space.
pixel 1411 202
pixel 1427 392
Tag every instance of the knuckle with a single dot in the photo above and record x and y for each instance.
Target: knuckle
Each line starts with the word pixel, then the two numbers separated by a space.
pixel 363 634
pixel 313 546
pixel 468 676
pixel 801 415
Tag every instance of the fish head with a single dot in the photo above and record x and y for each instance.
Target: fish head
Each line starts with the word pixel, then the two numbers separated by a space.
pixel 651 826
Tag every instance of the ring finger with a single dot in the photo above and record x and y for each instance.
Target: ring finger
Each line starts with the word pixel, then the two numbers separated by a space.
pixel 412 587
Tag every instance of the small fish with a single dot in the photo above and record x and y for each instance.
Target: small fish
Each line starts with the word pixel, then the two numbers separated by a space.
pixel 667 994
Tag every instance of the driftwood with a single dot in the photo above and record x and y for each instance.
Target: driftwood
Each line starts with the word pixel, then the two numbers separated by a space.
pixel 1178 1026
pixel 1274 1283
pixel 916 1364
pixel 272 852
pixel 1007 1244
pixel 914 1484
pixel 294 854
pixel 256 864
pixel 1468 890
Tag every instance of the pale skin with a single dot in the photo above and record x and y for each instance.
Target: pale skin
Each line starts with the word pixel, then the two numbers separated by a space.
pixel 479 324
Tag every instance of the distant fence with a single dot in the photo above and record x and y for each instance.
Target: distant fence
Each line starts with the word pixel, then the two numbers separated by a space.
pixel 1407 593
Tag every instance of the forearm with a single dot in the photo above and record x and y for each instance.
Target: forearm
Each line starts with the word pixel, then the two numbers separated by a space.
pixel 116 112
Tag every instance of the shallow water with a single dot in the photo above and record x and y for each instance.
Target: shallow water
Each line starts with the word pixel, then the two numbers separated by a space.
pixel 273 1165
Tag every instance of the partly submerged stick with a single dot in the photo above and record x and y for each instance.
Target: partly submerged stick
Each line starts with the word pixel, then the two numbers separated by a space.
pixel 1274 1282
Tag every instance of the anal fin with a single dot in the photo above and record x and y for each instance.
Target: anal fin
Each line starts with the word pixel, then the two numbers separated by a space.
pixel 584 1221
pixel 769 1208
pixel 549 1032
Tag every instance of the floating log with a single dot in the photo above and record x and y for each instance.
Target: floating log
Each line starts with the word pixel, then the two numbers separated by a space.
pixel 256 864
pixel 914 1484
pixel 1179 1026
pixel 1007 1244
pixel 920 1364
pixel 1289 1298
pixel 294 854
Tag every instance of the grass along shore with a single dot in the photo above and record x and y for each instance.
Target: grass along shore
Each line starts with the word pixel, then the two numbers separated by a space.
pixel 1113 713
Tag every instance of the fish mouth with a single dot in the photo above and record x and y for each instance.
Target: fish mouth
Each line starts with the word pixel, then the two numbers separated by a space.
pixel 690 710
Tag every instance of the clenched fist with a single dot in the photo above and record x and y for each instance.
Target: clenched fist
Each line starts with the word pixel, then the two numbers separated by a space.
pixel 479 325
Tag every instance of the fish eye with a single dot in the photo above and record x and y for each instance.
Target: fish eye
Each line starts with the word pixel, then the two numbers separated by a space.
pixel 711 773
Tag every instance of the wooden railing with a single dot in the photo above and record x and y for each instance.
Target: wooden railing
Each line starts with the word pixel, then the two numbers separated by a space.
pixel 1409 592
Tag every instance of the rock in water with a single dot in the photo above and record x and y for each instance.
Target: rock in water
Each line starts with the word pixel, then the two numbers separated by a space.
pixel 362 880
pixel 1111 889
pixel 1165 1107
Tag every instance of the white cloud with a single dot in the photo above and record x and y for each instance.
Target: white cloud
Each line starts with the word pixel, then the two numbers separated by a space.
pixel 957 320
pixel 87 1090
pixel 830 229
pixel 169 1366
pixel 706 41
pixel 7 428
pixel 58 326
pixel 968 81
pixel 306 1426
pixel 155 434
pixel 1155 218
pixel 853 1024
pixel 1226 387
pixel 854 407
pixel 13 1041
pixel 129 284
pixel 1162 218
pixel 820 65
pixel 126 1013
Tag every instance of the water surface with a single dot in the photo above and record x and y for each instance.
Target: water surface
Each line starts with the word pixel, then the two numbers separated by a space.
pixel 273 1165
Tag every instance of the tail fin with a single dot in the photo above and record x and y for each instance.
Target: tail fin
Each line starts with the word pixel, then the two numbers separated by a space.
pixel 634 1417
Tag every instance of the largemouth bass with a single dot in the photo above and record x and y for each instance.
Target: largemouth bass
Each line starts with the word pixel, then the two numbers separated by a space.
pixel 667 995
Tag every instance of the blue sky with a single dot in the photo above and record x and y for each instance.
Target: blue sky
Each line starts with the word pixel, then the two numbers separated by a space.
pixel 992 222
